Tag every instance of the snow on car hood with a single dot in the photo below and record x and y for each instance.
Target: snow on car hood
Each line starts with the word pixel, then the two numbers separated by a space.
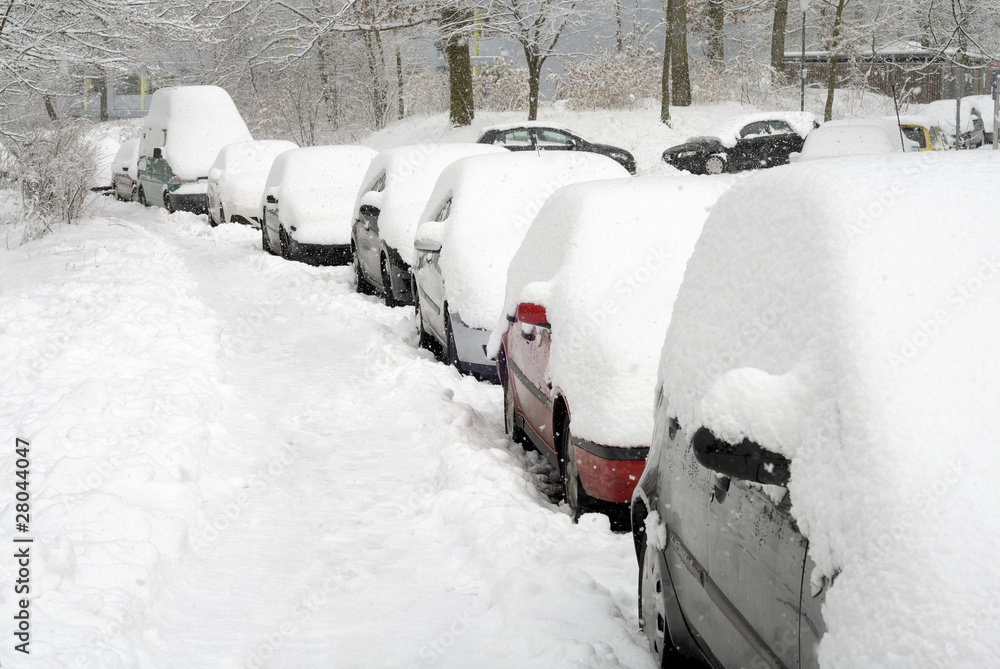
pixel 846 316
pixel 606 259
pixel 199 121
pixel 494 200
pixel 410 174
pixel 316 187
pixel 242 171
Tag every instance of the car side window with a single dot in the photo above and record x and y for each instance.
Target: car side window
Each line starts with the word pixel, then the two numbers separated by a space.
pixel 549 136
pixel 517 137
pixel 444 211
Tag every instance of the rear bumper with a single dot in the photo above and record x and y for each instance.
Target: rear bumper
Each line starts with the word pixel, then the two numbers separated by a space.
pixel 609 473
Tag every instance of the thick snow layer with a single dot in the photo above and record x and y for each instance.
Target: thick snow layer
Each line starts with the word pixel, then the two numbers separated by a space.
pixel 845 314
pixel 494 198
pixel 944 112
pixel 125 159
pixel 191 124
pixel 410 174
pixel 728 132
pixel 316 187
pixel 605 259
pixel 241 169
pixel 237 461
pixel 853 137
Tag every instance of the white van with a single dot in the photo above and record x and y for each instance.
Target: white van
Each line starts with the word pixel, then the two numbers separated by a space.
pixel 184 131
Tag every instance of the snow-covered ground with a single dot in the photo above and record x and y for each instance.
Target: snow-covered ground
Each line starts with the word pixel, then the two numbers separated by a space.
pixel 236 461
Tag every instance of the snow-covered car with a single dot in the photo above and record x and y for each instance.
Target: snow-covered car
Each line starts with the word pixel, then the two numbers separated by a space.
pixel 124 171
pixel 474 221
pixel 583 326
pixel 746 143
pixel 924 132
pixel 826 424
pixel 972 129
pixel 306 204
pixel 183 133
pixel 236 179
pixel 392 197
pixel 984 105
pixel 546 136
pixel 853 137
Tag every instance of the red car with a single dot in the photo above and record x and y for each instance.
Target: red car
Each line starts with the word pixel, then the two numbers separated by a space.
pixel 588 301
pixel 535 410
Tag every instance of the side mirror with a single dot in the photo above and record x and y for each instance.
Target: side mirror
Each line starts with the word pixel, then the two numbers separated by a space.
pixel 368 211
pixel 427 246
pixel 532 314
pixel 271 199
pixel 745 460
pixel 157 153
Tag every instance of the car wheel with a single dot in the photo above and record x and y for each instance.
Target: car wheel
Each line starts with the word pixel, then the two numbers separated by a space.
pixel 578 501
pixel 212 220
pixel 284 244
pixel 142 197
pixel 265 242
pixel 166 203
pixel 387 294
pixel 653 603
pixel 451 350
pixel 135 195
pixel 715 165
pixel 510 426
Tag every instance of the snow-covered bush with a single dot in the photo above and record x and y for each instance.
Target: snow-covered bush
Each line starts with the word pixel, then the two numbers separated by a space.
pixel 744 79
pixel 426 92
pixel 608 79
pixel 501 87
pixel 54 172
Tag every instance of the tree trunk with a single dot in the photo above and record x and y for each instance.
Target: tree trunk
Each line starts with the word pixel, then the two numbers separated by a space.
pixel 103 84
pixel 778 35
pixel 665 80
pixel 619 33
pixel 456 50
pixel 50 110
pixel 400 107
pixel 680 77
pixel 534 76
pixel 376 68
pixel 831 80
pixel 717 34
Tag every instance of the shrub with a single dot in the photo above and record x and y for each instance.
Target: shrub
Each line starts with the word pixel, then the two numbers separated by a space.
pixel 608 79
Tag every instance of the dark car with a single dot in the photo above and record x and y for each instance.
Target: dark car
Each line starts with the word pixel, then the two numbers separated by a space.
pixel 750 143
pixel 548 137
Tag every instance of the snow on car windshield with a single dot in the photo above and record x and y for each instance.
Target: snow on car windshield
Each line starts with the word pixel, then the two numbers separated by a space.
pixel 847 319
pixel 605 259
pixel 495 198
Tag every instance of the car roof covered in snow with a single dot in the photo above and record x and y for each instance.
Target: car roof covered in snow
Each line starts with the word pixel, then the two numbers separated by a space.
pixel 410 174
pixel 527 124
pixel 493 199
pixel 847 318
pixel 191 124
pixel 852 137
pixel 241 169
pixel 801 123
pixel 605 259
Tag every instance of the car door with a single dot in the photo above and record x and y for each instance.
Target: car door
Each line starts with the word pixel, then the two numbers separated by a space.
pixel 550 139
pixel 366 235
pixel 763 144
pixel 430 281
pixel 529 341
pixel 756 559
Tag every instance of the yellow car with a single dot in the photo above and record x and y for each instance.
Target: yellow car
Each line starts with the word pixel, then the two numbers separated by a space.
pixel 925 132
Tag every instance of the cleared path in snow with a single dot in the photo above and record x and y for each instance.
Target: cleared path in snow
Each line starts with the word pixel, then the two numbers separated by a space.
pixel 362 507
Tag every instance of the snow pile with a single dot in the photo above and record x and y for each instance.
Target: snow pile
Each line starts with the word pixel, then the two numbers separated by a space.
pixel 853 137
pixel 110 369
pixel 191 124
pixel 316 188
pixel 606 259
pixel 410 174
pixel 847 319
pixel 494 198
pixel 802 123
pixel 943 111
pixel 241 169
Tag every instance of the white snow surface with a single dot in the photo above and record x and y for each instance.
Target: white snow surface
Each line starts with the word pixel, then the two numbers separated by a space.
pixel 605 259
pixel 241 169
pixel 494 199
pixel 944 112
pixel 844 313
pixel 728 132
pixel 853 137
pixel 316 187
pixel 198 121
pixel 410 174
pixel 237 461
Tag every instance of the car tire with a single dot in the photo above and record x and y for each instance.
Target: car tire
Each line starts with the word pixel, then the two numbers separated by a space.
pixel 653 603
pixel 424 339
pixel 265 242
pixel 510 426
pixel 142 197
pixel 715 165
pixel 361 284
pixel 135 195
pixel 578 501
pixel 166 203
pixel 450 349
pixel 284 244
pixel 387 295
